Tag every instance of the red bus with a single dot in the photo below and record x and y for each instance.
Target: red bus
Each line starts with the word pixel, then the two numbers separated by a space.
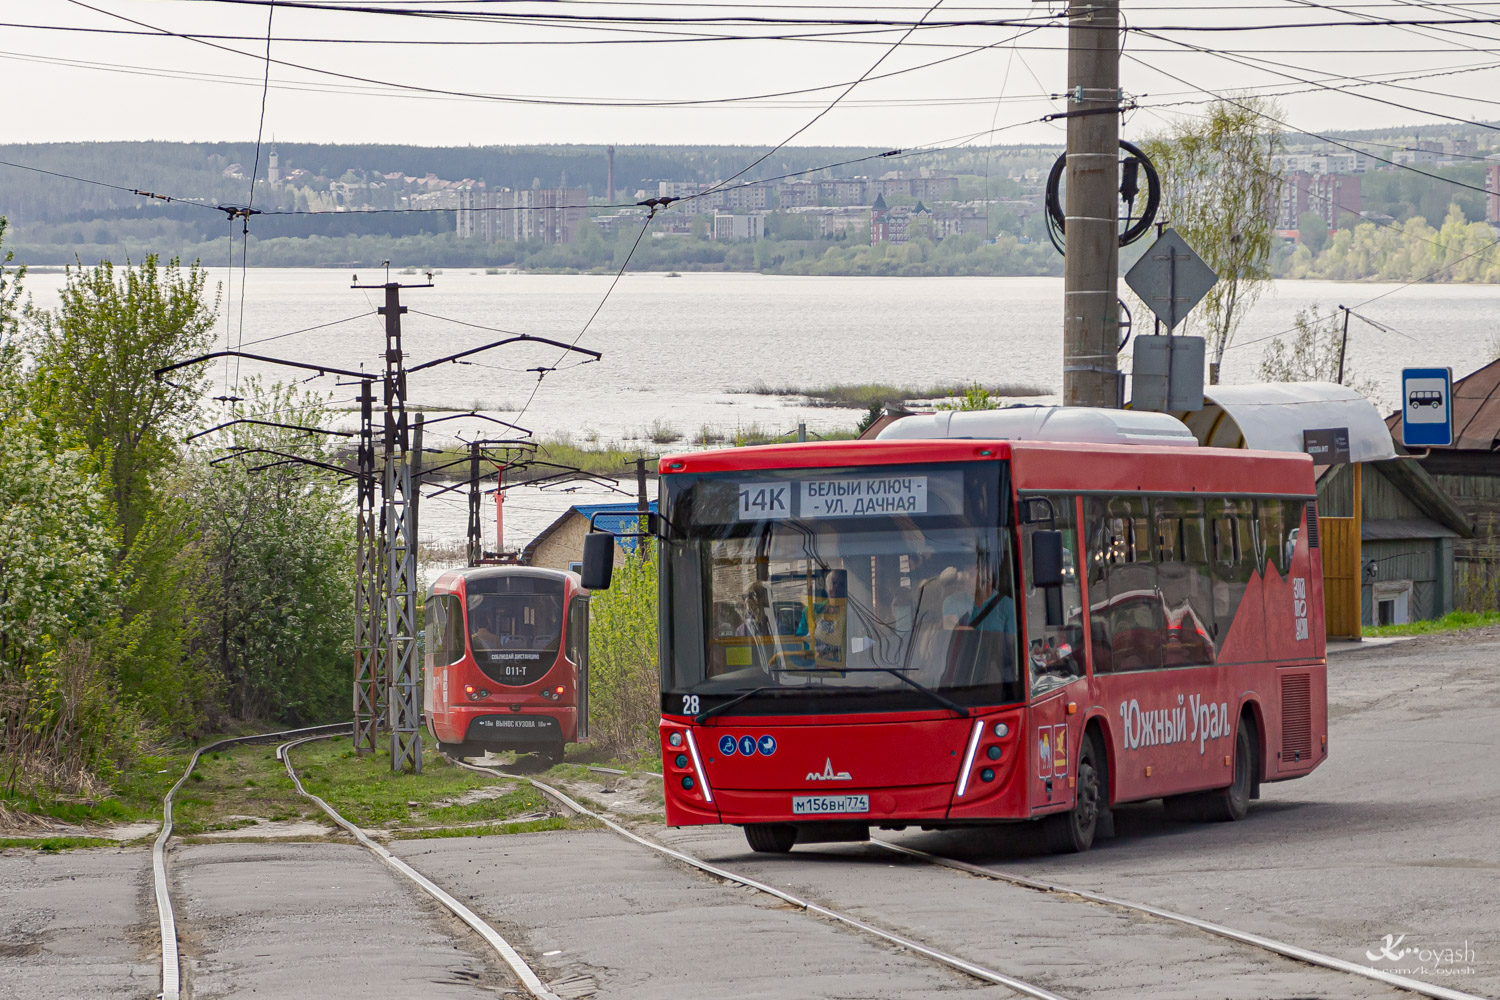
pixel 506 661
pixel 953 632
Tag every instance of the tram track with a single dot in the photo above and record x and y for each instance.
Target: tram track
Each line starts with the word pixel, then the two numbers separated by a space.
pixel 972 969
pixel 171 963
pixel 171 968
pixel 1256 941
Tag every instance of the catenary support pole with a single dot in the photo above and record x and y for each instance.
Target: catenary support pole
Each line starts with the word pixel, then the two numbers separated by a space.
pixel 1091 265
pixel 399 549
pixel 368 679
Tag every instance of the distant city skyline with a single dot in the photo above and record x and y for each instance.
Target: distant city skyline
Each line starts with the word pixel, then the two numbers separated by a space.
pixel 178 89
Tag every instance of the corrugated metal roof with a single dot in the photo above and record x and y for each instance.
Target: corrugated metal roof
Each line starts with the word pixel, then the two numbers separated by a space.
pixel 1476 411
pixel 1403 528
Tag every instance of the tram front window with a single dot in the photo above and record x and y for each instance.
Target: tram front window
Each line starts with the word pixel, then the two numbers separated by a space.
pixel 822 606
pixel 515 626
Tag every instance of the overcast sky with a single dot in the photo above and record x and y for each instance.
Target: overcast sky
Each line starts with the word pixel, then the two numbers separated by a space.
pixel 76 86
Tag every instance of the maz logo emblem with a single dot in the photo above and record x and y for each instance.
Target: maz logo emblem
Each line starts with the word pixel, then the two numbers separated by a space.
pixel 828 773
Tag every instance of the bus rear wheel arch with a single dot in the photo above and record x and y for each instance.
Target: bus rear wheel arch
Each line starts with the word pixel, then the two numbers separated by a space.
pixel 1232 802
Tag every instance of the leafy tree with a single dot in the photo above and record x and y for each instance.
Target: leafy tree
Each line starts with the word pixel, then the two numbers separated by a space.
pixel 1216 183
pixel 1312 354
pixel 1312 231
pixel 277 560
pixel 97 355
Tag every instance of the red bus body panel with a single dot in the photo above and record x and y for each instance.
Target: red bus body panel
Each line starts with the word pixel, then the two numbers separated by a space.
pixel 451 714
pixel 1164 731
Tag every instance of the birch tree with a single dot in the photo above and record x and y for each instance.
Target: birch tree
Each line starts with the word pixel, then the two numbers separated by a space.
pixel 1218 192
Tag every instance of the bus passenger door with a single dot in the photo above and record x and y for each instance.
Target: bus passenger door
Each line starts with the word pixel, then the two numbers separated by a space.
pixel 578 652
pixel 1054 657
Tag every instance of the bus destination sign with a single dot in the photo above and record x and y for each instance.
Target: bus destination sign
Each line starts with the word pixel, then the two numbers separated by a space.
pixel 859 497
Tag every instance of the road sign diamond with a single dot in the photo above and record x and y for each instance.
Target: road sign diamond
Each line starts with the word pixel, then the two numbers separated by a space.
pixel 1170 278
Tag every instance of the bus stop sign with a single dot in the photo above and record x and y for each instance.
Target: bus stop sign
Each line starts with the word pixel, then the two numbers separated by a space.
pixel 1426 407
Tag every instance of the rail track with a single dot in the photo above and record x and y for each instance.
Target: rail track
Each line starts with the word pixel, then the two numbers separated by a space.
pixel 1256 941
pixel 171 968
pixel 533 984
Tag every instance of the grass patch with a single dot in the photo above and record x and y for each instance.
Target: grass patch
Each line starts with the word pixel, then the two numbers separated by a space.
pixel 1454 621
pixel 365 791
pixel 862 396
pixel 55 843
pixel 135 796
pixel 234 787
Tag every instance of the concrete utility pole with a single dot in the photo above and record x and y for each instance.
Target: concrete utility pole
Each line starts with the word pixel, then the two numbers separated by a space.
pixel 1091 266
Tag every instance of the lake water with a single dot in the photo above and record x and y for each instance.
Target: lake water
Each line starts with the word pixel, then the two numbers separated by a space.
pixel 676 349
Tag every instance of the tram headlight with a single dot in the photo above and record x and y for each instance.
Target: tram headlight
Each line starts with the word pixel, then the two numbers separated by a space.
pixel 681 760
pixel 675 738
pixel 687 782
pixel 994 751
pixel 988 774
pixel 1002 730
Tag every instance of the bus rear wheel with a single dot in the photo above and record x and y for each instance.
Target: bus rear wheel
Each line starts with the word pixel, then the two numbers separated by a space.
pixel 770 838
pixel 1222 805
pixel 1072 832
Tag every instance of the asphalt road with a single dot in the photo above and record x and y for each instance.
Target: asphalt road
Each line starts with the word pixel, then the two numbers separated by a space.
pixel 1397 834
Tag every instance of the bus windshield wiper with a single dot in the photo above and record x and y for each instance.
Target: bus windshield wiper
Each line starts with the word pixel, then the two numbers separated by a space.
pixel 949 704
pixel 709 713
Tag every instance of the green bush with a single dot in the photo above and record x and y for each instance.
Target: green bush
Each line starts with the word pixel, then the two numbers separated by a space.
pixel 624 691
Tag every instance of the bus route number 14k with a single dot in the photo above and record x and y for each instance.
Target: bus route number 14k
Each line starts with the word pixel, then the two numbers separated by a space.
pixel 765 500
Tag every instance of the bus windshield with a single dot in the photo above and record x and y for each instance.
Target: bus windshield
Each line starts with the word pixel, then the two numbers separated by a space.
pixel 829 590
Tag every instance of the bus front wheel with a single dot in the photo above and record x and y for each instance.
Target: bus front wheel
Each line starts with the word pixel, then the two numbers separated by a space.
pixel 770 838
pixel 1072 832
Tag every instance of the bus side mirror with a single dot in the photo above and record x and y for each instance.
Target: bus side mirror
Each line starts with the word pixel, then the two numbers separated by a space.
pixel 1046 559
pixel 598 560
pixel 1047 573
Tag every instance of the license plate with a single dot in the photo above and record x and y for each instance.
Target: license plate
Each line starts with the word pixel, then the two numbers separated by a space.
pixel 807 805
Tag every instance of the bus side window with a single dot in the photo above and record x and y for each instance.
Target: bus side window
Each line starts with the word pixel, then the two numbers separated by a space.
pixel 1235 560
pixel 1278 532
pixel 1130 603
pixel 1184 576
pixel 1101 554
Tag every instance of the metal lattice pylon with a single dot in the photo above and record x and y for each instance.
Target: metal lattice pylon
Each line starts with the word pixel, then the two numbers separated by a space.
pixel 403 705
pixel 369 679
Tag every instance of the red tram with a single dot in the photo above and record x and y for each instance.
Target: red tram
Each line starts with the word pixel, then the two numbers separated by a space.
pixel 976 629
pixel 506 660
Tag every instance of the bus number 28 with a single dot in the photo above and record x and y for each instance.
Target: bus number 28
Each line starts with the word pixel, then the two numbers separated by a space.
pixel 689 704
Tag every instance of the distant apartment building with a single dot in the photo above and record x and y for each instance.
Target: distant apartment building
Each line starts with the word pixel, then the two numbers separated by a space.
pixel 1492 183
pixel 1326 195
pixel 546 215
pixel 900 225
pixel 738 227
pixel 843 191
pixel 698 198
pixel 796 194
pixel 936 187
pixel 1320 163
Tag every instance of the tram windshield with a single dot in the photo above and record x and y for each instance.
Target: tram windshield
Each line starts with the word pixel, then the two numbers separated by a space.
pixel 515 625
pixel 839 590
